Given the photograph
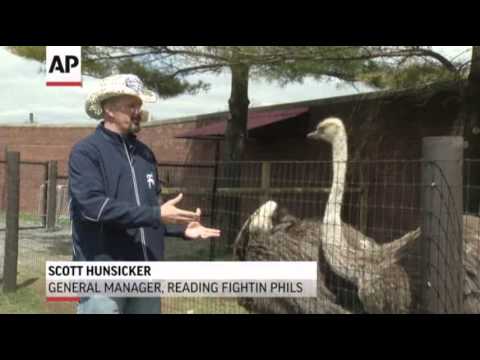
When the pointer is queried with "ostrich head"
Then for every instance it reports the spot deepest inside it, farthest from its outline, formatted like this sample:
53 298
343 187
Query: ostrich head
259 223
261 220
282 215
328 130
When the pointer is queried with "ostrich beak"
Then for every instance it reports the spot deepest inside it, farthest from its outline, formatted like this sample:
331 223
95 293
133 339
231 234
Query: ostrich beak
311 135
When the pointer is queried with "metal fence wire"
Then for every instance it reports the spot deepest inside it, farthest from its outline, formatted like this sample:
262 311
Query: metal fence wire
364 229
35 245
369 224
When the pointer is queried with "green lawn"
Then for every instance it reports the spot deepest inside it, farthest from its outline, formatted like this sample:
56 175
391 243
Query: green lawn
25 301
199 250
30 296
201 306
27 219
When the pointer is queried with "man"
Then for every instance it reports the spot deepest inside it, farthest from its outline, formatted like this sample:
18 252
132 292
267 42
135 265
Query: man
117 213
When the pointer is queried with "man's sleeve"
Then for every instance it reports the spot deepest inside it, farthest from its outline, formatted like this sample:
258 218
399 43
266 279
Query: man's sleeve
88 193
178 231
171 230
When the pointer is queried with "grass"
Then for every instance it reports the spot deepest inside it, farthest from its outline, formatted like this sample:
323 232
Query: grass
24 219
30 295
201 306
199 250
28 219
23 301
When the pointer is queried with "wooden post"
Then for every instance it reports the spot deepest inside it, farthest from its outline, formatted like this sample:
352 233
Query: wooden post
213 207
442 275
52 195
363 204
5 180
11 236
364 209
266 178
45 196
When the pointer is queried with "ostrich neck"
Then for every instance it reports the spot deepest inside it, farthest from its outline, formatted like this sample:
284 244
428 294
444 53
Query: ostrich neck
335 199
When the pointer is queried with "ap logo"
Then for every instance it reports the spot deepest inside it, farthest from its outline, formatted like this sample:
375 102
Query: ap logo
64 66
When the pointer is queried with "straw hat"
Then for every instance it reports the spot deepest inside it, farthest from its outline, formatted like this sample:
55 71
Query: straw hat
117 85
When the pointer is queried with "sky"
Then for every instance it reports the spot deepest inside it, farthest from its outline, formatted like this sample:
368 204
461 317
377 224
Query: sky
23 91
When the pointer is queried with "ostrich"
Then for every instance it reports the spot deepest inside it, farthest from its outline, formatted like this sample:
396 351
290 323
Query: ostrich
269 236
258 224
383 285
471 264
269 226
386 286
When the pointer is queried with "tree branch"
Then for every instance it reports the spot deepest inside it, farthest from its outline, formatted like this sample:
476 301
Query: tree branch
125 56
196 68
190 53
440 58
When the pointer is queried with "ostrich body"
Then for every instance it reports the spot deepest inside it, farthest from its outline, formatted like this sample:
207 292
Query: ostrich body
471 264
267 236
383 285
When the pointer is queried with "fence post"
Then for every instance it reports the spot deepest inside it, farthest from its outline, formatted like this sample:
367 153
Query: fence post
363 209
11 236
363 203
45 196
442 275
213 207
52 195
266 171
4 194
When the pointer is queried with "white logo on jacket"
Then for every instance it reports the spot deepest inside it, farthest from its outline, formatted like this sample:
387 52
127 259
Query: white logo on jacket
150 180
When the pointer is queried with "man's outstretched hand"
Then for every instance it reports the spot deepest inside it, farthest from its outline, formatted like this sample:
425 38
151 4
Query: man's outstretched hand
195 230
170 214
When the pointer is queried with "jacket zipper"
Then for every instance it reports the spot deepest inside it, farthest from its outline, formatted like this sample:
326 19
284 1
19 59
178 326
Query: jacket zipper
137 197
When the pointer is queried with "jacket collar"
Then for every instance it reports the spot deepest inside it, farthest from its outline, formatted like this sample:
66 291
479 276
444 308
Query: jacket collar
115 138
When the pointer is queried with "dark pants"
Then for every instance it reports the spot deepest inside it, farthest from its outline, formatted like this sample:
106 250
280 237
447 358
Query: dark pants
106 305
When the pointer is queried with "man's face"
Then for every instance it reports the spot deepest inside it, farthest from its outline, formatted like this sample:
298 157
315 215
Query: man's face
125 112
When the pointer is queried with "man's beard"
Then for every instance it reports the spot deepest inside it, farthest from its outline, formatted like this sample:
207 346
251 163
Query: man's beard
134 129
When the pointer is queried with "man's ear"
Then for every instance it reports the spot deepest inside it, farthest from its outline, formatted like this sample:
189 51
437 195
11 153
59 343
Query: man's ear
108 110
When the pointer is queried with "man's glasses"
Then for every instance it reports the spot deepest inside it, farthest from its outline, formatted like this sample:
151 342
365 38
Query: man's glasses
135 112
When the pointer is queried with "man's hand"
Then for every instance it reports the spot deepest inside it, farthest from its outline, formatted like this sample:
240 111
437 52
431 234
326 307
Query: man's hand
195 230
170 214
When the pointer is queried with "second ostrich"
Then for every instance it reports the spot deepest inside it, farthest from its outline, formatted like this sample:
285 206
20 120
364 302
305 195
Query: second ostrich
383 285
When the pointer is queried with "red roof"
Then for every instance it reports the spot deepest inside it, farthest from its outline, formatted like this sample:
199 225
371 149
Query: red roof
255 120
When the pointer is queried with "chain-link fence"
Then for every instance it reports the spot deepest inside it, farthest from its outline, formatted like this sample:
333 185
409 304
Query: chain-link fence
33 176
365 231
35 245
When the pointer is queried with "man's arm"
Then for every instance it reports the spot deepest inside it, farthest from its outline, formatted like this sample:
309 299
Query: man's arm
171 230
88 193
193 230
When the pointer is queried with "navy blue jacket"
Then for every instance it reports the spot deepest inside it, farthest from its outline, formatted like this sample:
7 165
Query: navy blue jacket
115 200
